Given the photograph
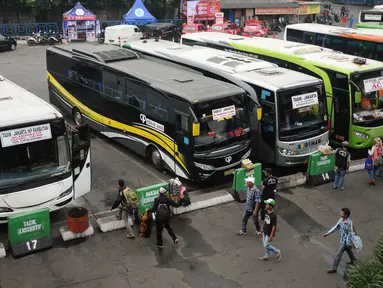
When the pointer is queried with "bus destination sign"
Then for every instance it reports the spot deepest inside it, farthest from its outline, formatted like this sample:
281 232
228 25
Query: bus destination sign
25 135
304 100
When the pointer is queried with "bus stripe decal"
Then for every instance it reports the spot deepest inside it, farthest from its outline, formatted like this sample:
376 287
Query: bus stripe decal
117 125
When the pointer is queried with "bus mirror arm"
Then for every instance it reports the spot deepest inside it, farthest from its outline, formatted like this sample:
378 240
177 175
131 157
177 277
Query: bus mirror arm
353 84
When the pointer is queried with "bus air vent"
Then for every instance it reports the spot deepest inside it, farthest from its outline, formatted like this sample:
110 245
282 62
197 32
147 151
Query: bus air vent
175 48
240 59
270 71
216 60
6 98
105 54
308 50
359 60
237 38
116 55
338 57
232 64
181 79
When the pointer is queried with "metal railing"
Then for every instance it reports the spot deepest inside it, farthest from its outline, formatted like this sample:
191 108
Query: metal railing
26 29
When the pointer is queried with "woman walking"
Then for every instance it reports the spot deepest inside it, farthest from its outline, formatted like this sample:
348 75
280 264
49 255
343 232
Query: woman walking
375 153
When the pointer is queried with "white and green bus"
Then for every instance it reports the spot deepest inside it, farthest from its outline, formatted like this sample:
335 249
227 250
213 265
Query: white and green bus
371 18
351 83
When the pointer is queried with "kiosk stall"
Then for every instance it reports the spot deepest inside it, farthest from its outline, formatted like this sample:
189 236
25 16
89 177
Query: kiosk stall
80 24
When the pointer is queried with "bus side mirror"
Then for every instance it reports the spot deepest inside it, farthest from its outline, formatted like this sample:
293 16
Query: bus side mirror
196 129
259 113
358 97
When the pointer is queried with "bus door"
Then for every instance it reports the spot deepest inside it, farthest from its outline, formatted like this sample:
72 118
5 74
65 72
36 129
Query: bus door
79 138
184 141
267 144
341 110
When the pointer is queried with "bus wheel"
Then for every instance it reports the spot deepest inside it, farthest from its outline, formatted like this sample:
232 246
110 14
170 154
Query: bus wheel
77 116
156 159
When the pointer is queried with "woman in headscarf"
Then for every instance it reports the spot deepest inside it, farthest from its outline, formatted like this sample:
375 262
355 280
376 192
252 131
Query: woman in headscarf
376 153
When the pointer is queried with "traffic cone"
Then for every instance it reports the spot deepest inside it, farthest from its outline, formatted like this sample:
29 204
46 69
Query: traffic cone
274 35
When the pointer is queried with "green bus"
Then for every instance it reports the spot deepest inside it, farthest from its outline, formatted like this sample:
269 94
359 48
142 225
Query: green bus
352 83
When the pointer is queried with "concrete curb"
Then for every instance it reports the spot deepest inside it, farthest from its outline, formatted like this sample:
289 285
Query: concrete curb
111 223
69 235
298 179
214 201
2 251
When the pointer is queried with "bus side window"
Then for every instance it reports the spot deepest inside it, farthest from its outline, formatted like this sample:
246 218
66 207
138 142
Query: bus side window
308 37
111 85
182 129
157 105
135 94
294 35
334 42
379 52
319 39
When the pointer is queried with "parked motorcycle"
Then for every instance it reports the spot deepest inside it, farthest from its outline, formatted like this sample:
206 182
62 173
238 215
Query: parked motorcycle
34 39
101 37
275 27
335 16
55 38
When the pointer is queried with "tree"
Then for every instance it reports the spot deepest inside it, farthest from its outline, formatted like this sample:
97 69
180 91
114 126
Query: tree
368 274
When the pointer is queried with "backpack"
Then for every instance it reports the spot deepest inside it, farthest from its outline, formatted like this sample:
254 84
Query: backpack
146 225
163 212
131 197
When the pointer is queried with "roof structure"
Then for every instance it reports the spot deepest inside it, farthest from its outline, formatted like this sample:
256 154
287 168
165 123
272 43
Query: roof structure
138 15
78 12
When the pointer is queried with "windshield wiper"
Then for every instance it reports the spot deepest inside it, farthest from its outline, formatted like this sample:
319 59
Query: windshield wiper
215 147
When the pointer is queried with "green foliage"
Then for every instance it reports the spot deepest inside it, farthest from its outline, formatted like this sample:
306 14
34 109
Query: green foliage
368 274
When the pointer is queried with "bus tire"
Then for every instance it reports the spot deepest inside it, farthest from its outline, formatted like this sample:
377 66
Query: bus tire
77 116
156 159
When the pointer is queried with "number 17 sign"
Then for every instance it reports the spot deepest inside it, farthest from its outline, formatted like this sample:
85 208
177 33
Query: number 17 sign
29 232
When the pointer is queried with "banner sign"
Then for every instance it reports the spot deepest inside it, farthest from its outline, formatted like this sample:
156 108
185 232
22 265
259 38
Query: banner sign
147 195
223 112
203 9
373 84
304 100
321 168
29 232
276 11
219 17
25 135
309 9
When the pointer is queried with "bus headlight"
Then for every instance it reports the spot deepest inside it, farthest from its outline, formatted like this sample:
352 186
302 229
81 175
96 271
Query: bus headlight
65 193
246 155
5 209
286 152
204 166
360 135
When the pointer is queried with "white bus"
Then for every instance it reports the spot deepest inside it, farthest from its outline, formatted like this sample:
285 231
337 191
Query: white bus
287 134
43 162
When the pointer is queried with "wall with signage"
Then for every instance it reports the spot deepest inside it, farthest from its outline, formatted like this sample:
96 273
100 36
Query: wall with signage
302 9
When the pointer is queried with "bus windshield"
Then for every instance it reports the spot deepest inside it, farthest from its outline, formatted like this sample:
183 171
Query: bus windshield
301 111
368 101
222 122
33 160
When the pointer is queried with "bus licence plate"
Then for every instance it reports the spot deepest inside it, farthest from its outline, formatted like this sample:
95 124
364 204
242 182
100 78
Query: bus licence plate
228 172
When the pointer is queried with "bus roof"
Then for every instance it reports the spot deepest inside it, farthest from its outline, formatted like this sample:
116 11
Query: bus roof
18 106
360 34
187 85
318 56
248 69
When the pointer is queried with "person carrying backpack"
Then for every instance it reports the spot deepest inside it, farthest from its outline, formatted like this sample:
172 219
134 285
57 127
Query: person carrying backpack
127 201
161 208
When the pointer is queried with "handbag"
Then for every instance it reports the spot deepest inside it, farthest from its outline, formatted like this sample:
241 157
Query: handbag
368 164
357 242
379 161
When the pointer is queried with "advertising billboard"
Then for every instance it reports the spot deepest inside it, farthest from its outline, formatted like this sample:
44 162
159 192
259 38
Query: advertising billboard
203 9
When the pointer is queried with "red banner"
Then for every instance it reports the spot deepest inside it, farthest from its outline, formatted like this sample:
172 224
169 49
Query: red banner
203 9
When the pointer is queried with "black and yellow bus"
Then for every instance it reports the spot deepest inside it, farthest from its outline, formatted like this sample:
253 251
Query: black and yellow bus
182 121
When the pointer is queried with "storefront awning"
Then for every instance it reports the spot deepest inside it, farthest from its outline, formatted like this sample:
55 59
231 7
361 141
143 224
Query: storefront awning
245 4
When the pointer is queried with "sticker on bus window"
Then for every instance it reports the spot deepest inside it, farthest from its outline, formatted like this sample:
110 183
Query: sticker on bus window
265 94
373 84
373 17
304 100
25 135
223 112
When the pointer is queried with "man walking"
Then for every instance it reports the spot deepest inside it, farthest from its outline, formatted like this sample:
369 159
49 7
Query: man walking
342 164
125 211
351 21
346 232
269 229
253 199
161 208
269 187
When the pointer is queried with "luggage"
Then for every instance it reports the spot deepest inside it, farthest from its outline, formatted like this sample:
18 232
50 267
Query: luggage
131 197
146 225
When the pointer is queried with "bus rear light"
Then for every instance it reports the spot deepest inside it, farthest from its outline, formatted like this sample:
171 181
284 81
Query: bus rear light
328 125
5 209
211 134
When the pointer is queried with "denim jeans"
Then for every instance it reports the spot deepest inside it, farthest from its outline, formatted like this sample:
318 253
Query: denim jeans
343 247
372 173
124 213
339 178
268 246
245 219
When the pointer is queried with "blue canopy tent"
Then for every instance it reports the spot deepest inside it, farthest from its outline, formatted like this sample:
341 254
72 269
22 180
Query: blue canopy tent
80 23
138 15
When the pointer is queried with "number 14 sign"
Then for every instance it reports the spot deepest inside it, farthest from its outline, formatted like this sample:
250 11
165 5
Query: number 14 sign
29 232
